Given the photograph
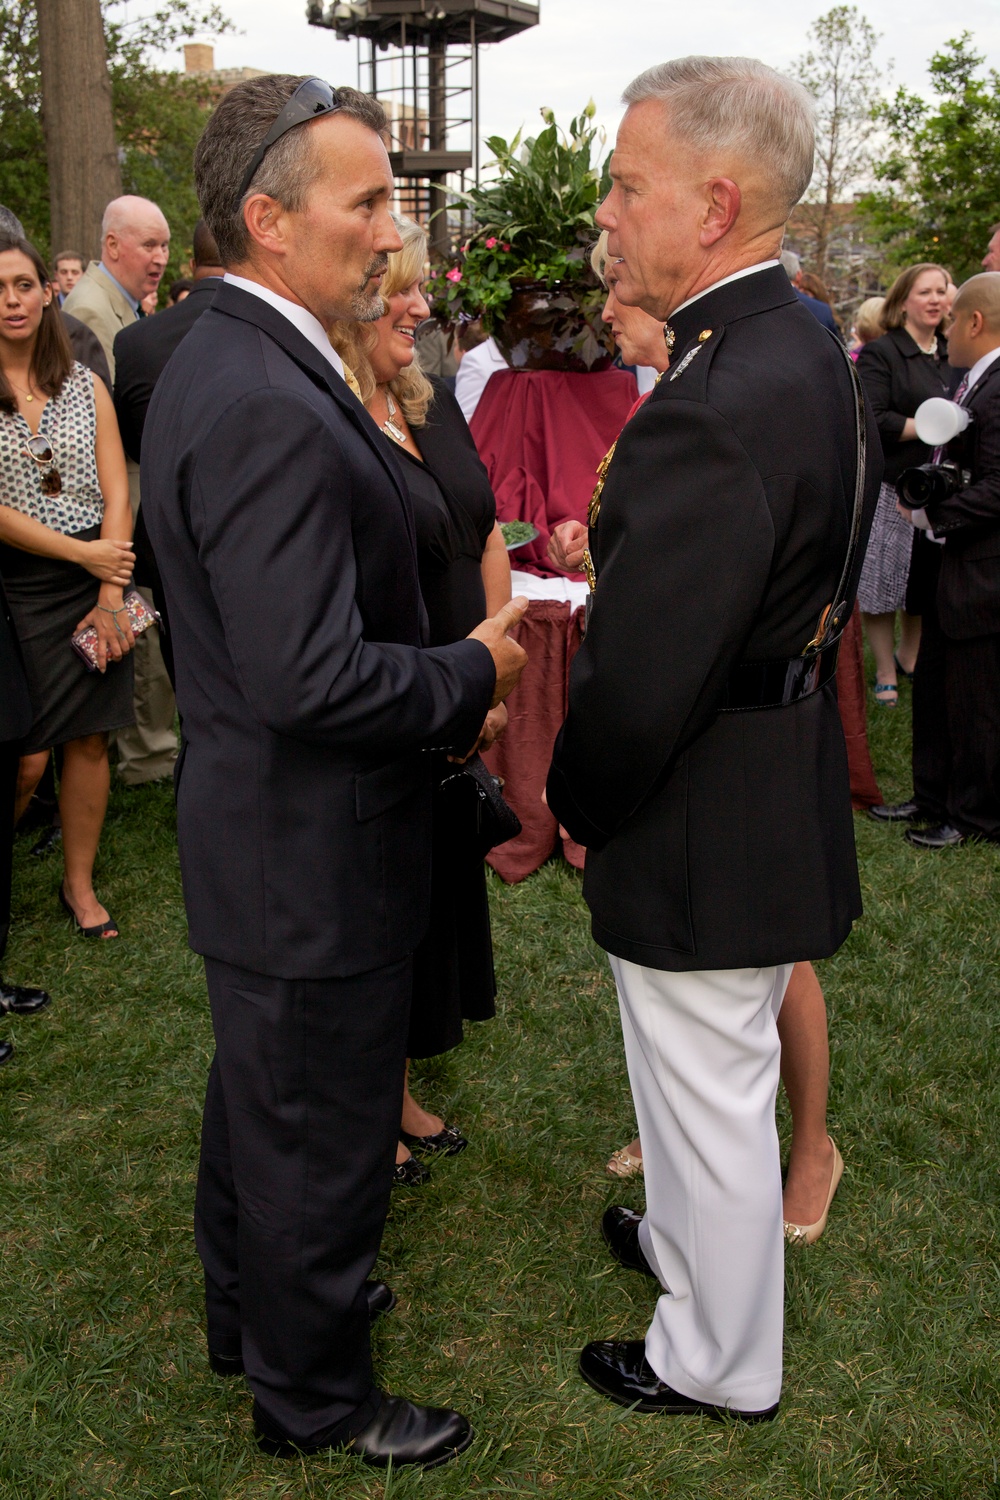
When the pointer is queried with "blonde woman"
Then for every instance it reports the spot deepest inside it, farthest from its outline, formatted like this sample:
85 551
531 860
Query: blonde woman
867 324
464 576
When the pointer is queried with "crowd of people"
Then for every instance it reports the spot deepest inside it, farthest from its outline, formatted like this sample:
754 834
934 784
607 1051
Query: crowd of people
274 444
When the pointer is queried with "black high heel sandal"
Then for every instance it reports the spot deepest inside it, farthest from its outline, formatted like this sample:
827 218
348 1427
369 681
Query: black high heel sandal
108 929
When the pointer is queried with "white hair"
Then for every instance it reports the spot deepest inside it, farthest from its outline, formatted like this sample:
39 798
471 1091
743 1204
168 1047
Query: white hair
740 105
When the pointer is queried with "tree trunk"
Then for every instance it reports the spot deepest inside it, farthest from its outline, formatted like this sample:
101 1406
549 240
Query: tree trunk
84 171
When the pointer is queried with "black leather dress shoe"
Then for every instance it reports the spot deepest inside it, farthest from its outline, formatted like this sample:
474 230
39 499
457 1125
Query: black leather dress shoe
938 836
6 1051
447 1142
401 1432
381 1299
22 1000
620 1371
620 1227
895 812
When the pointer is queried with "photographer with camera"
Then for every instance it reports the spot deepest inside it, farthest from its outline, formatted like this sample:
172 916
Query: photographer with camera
957 497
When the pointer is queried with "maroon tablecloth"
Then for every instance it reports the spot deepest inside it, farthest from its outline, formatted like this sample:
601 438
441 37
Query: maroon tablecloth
551 633
541 435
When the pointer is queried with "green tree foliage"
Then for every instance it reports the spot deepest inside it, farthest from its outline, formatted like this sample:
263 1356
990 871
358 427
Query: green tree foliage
940 178
841 72
158 116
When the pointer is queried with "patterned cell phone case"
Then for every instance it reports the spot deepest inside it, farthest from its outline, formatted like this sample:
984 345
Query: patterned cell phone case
140 617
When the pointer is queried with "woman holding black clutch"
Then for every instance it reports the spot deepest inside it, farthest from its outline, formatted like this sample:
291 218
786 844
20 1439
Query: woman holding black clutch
464 577
65 557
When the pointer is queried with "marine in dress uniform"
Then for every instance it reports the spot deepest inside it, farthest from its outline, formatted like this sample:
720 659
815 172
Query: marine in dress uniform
703 765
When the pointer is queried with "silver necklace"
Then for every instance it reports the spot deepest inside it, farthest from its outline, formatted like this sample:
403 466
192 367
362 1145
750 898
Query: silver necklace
389 426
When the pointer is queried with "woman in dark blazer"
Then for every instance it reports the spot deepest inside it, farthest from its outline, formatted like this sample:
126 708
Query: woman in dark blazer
464 574
899 371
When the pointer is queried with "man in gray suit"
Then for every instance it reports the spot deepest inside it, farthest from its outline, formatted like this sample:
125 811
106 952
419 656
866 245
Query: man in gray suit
135 244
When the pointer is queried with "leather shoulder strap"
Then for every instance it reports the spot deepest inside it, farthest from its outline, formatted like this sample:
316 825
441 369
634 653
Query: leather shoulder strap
833 620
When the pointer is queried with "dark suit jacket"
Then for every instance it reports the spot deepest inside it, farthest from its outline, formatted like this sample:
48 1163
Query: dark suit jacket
968 592
141 354
15 705
715 840
284 537
87 348
897 377
821 311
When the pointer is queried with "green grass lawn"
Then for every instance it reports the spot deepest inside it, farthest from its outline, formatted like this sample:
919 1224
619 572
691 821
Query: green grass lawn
892 1350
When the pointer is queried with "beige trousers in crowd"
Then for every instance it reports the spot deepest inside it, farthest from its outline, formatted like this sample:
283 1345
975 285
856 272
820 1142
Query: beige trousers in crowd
703 1057
148 748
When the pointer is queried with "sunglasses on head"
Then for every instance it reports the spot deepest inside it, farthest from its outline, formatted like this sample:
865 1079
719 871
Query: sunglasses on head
310 100
40 449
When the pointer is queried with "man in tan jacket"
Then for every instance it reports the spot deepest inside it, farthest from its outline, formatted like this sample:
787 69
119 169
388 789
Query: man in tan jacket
135 244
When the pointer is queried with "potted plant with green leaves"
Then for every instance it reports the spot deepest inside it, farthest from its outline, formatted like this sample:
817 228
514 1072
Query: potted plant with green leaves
525 271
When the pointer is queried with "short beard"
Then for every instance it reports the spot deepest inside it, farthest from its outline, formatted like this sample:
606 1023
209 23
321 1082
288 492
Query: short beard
367 306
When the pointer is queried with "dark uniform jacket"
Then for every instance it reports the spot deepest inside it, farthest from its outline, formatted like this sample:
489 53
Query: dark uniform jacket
719 840
284 537
968 592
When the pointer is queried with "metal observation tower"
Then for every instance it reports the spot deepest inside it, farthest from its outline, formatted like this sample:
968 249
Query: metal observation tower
420 58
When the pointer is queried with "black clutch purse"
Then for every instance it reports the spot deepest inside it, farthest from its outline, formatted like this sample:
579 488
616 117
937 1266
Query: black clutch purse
478 816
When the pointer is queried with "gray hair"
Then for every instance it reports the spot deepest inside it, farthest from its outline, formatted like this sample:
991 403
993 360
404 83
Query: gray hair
741 105
790 264
11 224
230 141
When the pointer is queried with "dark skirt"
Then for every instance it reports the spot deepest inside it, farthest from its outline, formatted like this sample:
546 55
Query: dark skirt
453 978
48 599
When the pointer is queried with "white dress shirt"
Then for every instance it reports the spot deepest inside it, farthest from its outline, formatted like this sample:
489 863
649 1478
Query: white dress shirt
309 326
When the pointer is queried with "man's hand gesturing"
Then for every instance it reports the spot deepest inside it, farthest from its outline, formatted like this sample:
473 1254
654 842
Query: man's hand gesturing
509 658
567 544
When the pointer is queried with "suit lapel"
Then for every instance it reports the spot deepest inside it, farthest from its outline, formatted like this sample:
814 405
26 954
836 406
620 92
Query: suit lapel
236 303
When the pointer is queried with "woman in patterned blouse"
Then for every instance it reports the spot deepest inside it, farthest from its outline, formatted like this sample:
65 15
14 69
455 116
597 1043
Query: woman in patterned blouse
65 558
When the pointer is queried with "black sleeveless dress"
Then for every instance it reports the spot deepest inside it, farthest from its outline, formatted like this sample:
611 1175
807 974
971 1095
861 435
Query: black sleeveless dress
454 513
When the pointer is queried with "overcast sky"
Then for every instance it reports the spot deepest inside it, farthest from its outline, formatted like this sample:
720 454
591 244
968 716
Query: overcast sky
591 48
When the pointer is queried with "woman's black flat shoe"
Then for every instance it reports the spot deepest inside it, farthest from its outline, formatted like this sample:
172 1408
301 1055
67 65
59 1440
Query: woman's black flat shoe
108 929
410 1173
447 1142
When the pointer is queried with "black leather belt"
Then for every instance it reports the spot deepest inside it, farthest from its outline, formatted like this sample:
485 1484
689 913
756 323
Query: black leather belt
774 684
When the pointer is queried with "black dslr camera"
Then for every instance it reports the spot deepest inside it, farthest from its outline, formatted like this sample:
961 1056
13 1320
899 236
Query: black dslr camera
928 484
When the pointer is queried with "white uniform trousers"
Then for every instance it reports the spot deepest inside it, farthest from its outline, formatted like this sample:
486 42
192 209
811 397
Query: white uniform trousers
703 1057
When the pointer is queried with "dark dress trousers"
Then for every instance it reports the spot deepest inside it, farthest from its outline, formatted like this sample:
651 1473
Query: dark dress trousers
454 511
719 840
966 621
15 721
284 538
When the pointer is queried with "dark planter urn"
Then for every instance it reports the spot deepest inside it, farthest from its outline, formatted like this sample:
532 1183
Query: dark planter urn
547 327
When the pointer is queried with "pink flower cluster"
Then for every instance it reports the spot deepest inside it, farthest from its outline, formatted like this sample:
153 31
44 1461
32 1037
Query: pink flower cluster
454 275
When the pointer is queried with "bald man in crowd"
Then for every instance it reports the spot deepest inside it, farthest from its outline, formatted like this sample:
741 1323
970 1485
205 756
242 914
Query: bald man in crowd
991 260
135 244
961 635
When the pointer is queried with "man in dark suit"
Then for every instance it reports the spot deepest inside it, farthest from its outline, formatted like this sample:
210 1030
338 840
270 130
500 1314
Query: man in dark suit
141 354
702 761
962 631
15 721
284 537
142 349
